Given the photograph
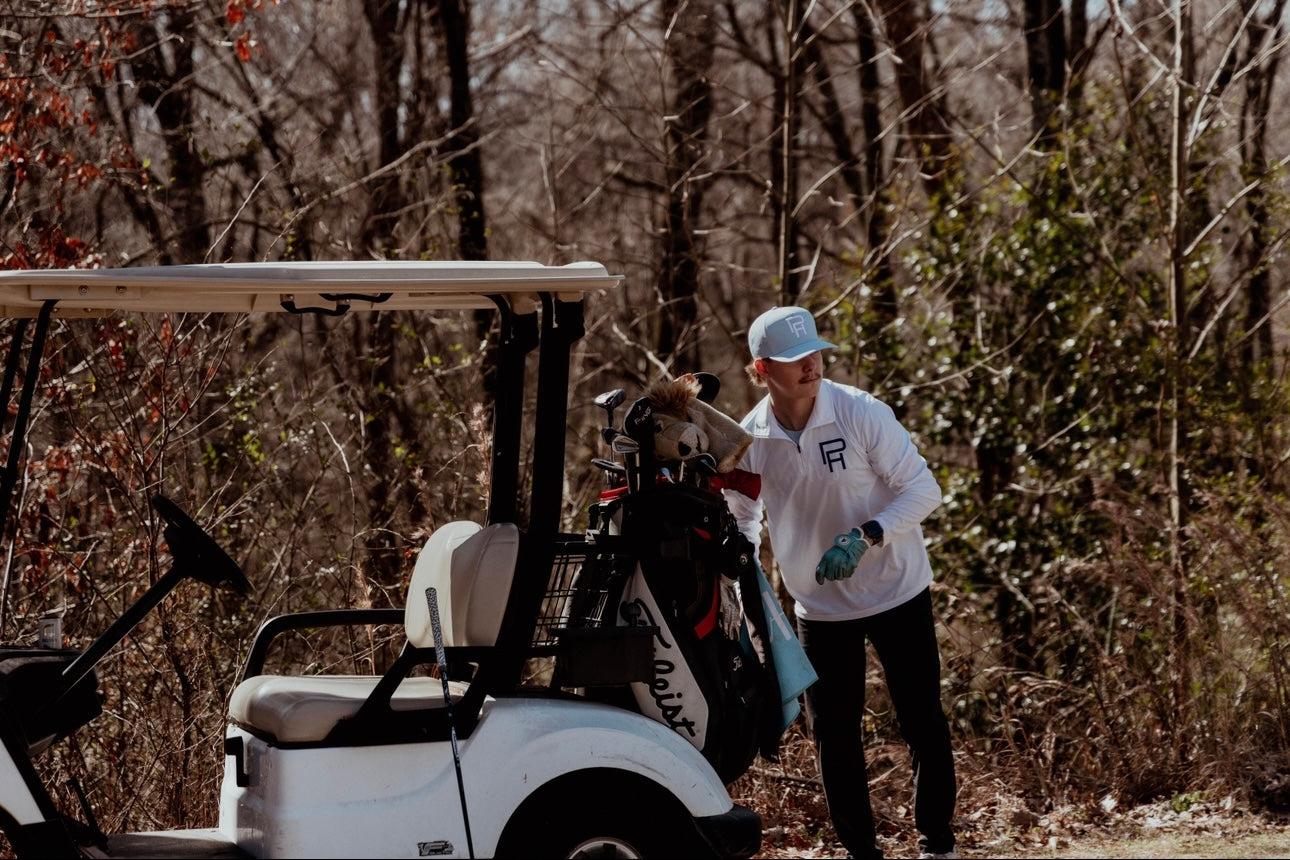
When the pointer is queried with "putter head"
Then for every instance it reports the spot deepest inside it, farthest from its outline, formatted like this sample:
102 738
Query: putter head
610 401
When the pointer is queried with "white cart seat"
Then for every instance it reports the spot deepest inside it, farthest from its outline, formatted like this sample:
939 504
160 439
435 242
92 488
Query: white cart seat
471 570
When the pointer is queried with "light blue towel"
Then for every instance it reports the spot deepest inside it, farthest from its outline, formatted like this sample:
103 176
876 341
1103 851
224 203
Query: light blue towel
793 669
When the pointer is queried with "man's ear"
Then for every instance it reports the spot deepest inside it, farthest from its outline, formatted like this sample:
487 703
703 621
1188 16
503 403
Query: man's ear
760 364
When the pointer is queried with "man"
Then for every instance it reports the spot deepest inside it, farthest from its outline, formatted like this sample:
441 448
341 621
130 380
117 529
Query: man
845 492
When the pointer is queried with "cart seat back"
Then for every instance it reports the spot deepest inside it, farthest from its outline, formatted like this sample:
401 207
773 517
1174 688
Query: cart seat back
471 570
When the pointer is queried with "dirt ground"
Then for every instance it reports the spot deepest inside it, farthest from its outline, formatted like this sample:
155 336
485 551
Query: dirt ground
992 821
1163 830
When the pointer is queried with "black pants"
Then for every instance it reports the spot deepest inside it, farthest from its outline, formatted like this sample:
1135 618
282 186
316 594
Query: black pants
905 640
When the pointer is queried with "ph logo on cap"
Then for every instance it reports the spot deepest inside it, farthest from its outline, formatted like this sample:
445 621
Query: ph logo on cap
784 334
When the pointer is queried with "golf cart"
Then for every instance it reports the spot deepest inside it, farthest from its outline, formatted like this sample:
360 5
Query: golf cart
418 761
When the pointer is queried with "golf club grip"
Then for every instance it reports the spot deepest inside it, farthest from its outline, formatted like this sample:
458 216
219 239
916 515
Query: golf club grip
432 600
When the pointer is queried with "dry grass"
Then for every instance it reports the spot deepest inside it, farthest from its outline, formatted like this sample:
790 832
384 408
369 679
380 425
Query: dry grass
995 821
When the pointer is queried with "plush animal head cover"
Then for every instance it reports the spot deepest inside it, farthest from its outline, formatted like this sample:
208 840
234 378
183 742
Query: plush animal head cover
686 426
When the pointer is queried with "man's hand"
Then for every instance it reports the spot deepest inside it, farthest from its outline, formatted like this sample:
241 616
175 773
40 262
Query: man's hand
839 561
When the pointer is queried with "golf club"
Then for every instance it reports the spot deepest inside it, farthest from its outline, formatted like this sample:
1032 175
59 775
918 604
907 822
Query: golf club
432 599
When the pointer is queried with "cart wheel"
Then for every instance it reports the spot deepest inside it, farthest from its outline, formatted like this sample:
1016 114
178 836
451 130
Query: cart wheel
600 813
606 847
588 832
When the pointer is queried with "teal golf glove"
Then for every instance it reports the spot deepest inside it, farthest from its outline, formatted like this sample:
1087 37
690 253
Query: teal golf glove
839 561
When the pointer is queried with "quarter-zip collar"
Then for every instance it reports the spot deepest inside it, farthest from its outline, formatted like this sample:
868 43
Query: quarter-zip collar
766 427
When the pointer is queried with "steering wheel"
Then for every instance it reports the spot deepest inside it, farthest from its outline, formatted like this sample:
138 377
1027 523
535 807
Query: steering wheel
196 550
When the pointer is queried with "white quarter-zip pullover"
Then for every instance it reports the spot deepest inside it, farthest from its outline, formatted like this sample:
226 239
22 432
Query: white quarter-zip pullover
854 462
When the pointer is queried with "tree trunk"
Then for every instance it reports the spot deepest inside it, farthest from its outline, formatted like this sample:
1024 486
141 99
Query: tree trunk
374 336
1258 345
164 68
464 157
927 134
1045 32
881 278
691 28
1178 423
465 161
386 198
786 170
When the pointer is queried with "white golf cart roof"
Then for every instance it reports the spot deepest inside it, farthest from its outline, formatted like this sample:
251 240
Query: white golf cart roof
321 286
540 307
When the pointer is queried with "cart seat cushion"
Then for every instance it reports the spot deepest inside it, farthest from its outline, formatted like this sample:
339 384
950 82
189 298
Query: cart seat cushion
471 569
305 708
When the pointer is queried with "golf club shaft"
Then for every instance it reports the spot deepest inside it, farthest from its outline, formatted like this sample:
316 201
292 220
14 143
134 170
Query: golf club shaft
432 599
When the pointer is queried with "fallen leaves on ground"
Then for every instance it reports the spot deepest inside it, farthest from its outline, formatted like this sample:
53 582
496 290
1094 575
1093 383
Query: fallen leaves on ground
994 822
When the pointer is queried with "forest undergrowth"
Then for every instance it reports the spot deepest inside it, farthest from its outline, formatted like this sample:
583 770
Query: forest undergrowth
994 819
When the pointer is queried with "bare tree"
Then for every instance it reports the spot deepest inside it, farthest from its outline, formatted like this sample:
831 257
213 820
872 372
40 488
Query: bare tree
690 26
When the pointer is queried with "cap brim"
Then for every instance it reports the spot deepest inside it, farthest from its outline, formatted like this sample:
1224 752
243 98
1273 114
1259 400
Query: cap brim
801 349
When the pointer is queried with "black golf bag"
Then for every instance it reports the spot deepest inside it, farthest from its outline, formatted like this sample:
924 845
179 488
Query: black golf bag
717 691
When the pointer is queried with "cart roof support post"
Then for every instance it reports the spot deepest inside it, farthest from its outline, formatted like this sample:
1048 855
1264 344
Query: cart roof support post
517 338
18 436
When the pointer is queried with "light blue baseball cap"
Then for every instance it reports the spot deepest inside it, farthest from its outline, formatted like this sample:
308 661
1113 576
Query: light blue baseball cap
784 334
